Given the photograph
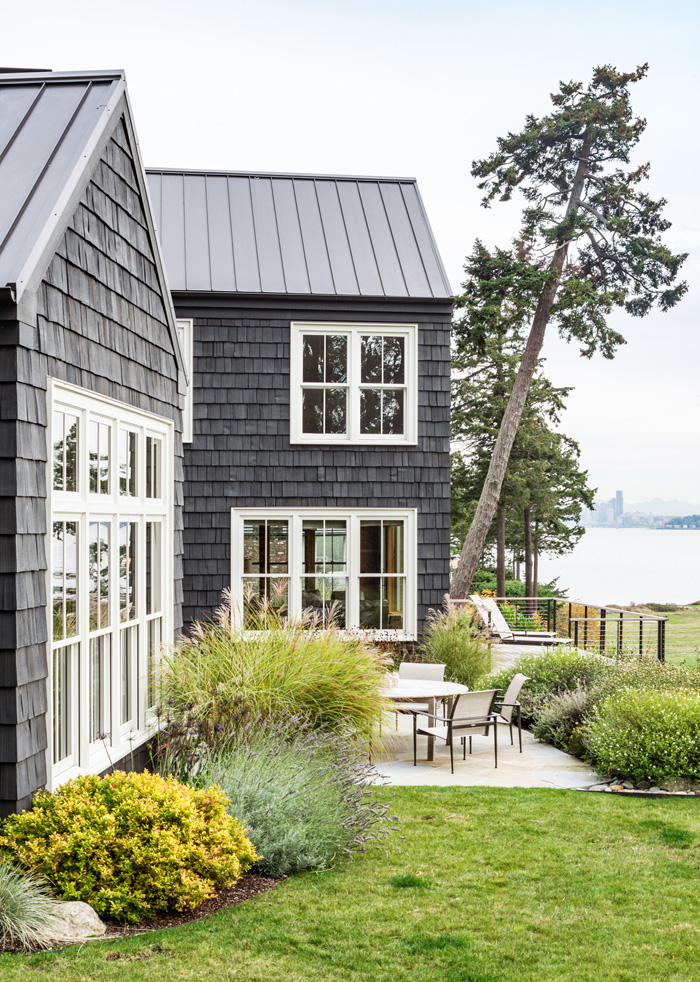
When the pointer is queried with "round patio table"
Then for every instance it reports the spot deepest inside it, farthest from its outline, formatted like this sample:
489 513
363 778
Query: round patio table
425 690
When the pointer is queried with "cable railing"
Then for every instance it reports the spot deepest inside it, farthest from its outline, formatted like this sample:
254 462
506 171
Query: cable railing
603 629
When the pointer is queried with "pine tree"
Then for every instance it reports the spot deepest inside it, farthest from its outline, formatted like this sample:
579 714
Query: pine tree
590 242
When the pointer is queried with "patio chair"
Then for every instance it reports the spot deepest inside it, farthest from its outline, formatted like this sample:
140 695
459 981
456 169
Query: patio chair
505 706
418 670
480 716
492 617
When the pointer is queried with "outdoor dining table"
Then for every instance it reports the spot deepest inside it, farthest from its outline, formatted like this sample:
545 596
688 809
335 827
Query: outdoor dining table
425 690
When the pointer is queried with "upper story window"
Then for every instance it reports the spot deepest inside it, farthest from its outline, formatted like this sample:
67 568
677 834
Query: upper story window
353 383
185 328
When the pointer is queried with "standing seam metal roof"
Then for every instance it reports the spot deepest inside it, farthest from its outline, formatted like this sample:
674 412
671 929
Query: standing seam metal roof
233 232
46 122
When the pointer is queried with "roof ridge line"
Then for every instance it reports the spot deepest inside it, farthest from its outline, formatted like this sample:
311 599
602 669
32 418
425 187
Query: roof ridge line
288 174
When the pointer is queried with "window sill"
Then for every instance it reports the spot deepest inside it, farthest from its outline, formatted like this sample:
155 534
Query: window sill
342 442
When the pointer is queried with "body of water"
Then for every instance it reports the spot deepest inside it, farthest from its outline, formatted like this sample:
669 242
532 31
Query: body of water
624 566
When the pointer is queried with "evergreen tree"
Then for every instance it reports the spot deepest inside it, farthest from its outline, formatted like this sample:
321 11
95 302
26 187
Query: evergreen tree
590 242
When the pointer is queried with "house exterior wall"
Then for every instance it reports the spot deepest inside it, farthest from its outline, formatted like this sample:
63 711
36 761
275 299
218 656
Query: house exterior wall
97 321
241 453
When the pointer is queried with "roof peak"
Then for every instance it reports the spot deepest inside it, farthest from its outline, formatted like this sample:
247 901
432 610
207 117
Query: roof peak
194 172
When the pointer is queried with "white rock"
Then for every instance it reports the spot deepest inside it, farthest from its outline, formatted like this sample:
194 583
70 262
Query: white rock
76 921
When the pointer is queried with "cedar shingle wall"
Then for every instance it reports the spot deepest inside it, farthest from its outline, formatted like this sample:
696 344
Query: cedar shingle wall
241 454
100 324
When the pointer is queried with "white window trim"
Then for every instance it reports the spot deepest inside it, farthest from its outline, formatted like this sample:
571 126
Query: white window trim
354 516
87 758
186 327
353 435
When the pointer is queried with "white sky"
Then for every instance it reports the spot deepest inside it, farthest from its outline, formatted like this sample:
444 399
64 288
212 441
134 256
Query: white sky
421 89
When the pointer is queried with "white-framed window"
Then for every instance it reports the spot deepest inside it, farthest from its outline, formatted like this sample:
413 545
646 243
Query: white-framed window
357 565
185 328
353 383
110 575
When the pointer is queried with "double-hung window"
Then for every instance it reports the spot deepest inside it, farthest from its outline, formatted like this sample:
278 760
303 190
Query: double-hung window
355 567
353 383
110 479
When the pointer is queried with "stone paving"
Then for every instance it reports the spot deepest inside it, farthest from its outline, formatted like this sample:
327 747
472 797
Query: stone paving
539 765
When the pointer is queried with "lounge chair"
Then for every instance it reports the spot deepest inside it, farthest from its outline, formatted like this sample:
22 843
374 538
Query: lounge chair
492 617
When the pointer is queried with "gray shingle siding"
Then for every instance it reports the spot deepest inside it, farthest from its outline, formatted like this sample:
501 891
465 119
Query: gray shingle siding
241 454
100 323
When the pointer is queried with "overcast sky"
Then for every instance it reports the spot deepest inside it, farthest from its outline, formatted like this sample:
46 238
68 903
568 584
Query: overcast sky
421 89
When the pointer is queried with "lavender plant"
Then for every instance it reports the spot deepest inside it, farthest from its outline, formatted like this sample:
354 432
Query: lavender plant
304 794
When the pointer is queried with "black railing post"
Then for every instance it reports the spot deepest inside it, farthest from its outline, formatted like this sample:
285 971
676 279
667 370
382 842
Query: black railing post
585 627
619 634
549 613
575 634
569 631
661 641
641 637
601 645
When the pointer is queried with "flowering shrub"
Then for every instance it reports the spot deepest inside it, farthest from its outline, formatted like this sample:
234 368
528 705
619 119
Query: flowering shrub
647 735
132 845
555 670
304 794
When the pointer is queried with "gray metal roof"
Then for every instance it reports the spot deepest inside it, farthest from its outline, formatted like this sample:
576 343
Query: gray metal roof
48 122
295 234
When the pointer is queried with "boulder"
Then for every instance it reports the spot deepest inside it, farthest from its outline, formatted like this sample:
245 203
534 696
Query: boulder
677 784
75 921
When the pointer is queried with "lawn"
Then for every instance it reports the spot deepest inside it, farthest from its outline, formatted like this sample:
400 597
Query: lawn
683 636
492 885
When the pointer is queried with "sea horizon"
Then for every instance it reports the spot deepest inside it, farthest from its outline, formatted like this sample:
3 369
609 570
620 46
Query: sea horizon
629 565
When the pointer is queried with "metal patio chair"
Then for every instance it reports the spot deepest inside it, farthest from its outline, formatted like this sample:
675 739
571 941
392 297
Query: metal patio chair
505 706
478 707
418 670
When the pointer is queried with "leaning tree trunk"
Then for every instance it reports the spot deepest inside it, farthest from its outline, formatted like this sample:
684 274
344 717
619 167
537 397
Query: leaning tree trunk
501 549
491 491
528 560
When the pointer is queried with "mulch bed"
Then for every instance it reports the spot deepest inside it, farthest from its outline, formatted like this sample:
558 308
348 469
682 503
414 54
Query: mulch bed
250 885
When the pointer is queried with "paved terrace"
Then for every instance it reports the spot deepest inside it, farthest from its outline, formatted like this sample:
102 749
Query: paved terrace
539 765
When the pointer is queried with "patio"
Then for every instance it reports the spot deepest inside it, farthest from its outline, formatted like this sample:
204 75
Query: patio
539 765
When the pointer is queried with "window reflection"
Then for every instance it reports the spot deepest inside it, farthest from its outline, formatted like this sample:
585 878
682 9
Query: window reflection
65 451
382 594
324 565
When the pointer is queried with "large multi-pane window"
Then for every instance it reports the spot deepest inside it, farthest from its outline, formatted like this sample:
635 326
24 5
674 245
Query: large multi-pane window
110 552
353 383
355 568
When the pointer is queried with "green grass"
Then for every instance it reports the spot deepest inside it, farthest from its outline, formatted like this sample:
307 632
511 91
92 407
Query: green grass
526 885
683 636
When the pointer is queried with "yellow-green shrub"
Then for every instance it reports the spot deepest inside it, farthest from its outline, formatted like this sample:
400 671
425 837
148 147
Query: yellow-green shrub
132 845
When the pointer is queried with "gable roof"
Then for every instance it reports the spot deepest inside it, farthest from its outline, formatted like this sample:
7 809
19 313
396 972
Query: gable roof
53 128
47 121
234 232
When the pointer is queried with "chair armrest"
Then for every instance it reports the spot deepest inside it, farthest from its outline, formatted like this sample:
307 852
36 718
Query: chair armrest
502 704
422 712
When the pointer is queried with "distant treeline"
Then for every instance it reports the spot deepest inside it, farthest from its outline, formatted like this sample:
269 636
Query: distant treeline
687 522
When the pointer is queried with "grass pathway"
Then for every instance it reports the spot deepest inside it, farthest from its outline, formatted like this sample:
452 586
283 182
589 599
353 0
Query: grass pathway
492 885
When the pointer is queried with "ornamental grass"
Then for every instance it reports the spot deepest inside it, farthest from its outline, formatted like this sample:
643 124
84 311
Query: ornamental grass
225 674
